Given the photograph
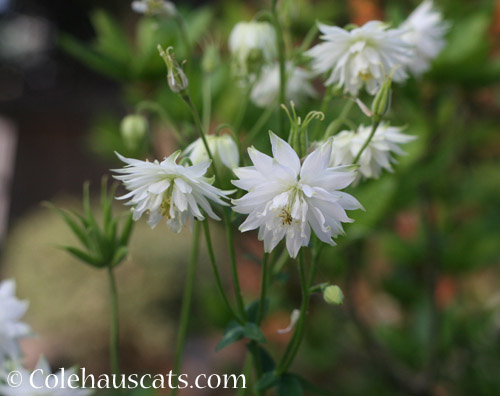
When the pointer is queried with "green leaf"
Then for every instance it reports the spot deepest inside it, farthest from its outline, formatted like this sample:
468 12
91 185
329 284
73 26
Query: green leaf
289 385
253 332
119 255
233 333
127 230
79 254
310 387
77 230
252 310
267 380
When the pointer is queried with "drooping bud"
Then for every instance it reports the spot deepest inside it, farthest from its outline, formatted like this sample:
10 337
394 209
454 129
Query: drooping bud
223 149
177 80
154 7
133 129
252 44
333 295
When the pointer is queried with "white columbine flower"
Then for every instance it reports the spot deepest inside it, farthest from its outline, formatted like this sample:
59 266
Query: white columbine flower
286 199
360 57
425 30
166 189
376 156
41 382
154 7
252 44
11 328
265 91
223 148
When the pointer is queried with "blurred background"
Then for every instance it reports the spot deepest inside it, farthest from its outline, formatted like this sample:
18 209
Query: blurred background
420 268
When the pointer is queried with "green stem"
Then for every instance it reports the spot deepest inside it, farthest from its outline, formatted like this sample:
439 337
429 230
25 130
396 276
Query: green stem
247 367
207 101
186 304
375 125
306 43
114 329
263 288
334 127
257 128
213 263
234 265
281 58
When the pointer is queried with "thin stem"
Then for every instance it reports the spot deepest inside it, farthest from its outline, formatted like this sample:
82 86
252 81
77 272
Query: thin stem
254 352
308 39
186 304
375 125
281 58
234 266
296 340
225 214
334 127
240 114
264 117
247 367
263 288
114 328
207 101
213 263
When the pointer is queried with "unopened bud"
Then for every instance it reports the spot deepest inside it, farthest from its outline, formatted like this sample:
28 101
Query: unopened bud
382 101
177 80
333 295
133 129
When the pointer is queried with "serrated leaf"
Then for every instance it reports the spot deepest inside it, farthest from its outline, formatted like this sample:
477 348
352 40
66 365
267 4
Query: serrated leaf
233 333
267 380
253 332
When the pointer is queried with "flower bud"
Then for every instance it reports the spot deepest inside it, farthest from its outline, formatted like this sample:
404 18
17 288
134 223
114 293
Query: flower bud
333 295
252 44
177 80
154 7
133 129
382 101
223 149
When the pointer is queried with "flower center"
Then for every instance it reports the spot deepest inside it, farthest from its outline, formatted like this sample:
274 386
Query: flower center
365 76
165 206
286 217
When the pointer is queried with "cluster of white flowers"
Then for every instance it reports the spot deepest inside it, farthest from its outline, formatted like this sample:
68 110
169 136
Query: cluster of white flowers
376 156
363 56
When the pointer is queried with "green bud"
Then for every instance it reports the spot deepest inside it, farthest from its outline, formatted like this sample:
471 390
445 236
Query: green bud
133 129
382 101
177 80
333 295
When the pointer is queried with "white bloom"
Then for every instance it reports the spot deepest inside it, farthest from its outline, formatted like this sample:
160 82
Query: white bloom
360 57
265 91
154 7
376 156
11 328
425 30
222 147
252 43
42 383
286 199
170 190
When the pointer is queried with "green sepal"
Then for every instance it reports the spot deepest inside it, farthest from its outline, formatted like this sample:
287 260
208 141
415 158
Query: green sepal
253 332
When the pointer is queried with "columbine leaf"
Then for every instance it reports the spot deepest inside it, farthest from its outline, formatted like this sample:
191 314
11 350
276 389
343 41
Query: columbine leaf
268 380
253 332
77 230
233 333
80 255
289 385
